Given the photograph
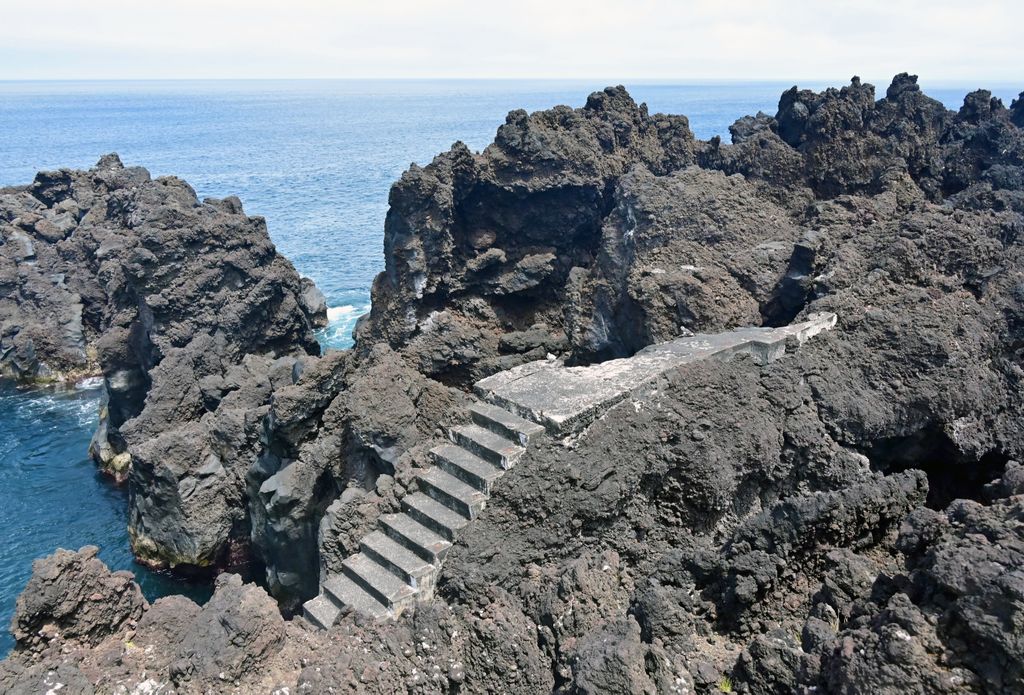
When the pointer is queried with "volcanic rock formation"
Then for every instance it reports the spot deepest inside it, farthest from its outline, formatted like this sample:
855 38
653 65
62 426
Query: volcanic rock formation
186 310
848 518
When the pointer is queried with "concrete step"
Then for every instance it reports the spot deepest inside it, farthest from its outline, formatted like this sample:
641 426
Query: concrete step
345 592
504 423
434 515
399 560
321 611
378 581
466 466
487 445
421 540
452 492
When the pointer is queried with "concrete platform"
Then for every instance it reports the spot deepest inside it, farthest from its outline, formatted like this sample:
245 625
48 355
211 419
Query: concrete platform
566 399
399 562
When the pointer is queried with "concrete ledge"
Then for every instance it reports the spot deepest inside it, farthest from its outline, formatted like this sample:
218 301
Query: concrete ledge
566 399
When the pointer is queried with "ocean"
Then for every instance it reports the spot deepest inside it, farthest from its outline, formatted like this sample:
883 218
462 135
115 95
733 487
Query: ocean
316 159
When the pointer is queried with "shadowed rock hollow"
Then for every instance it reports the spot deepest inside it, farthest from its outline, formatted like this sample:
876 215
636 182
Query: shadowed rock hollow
846 519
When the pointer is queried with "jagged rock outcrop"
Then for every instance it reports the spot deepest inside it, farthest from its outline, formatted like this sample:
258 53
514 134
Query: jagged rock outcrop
91 631
191 461
73 596
846 519
110 270
478 242
592 232
191 317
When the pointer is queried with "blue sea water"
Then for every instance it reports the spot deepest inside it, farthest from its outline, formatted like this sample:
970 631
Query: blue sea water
316 158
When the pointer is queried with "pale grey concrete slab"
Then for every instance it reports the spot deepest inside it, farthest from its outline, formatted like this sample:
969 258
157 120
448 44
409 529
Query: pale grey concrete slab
504 423
565 399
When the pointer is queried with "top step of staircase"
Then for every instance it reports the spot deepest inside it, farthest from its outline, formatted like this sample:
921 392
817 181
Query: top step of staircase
499 450
504 423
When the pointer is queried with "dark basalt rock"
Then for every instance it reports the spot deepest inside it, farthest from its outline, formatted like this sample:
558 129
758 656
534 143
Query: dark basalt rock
473 242
232 636
748 127
72 596
1017 111
191 317
87 630
846 519
593 193
142 266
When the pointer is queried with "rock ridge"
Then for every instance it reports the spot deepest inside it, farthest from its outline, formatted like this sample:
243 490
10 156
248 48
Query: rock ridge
844 519
174 302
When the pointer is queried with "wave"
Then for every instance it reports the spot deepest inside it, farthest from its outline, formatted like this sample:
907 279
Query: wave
341 320
43 407
340 313
89 384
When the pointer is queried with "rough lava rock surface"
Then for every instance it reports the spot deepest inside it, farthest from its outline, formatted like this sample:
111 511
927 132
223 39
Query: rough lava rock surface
848 519
189 314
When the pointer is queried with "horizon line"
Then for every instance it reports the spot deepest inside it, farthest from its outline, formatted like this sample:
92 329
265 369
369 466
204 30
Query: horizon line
607 79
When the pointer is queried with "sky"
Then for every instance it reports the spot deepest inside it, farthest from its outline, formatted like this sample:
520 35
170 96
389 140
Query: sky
941 40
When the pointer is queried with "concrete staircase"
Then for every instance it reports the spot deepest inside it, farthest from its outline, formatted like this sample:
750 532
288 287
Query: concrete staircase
399 563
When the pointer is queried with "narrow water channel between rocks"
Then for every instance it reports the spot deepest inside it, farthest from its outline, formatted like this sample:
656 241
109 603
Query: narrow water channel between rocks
52 497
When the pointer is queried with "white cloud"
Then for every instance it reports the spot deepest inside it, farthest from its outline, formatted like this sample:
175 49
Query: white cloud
655 39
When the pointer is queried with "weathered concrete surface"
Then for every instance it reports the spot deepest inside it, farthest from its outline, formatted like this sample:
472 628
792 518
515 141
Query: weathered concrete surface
398 563
564 399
